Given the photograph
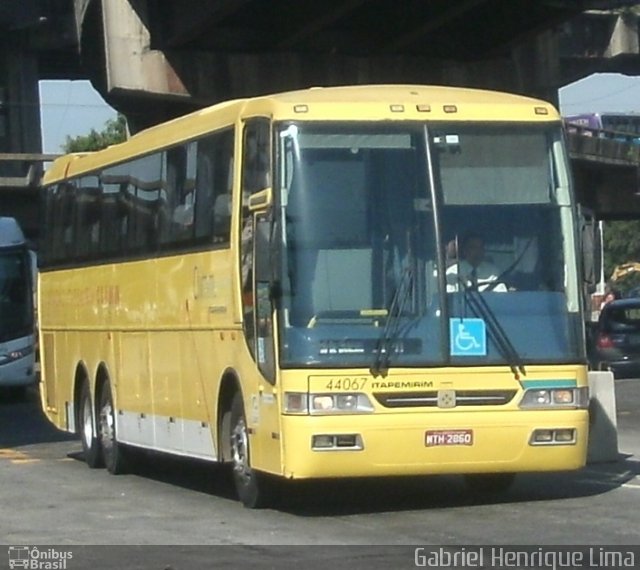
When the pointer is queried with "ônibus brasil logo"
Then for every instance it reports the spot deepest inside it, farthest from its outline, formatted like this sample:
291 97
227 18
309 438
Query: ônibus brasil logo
34 558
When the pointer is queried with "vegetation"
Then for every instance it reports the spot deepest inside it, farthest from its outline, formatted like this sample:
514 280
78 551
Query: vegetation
114 132
622 245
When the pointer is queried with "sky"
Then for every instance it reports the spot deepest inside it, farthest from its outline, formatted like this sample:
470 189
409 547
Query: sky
73 108
601 93
70 108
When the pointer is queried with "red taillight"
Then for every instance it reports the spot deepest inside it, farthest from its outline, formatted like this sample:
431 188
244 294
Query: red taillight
604 341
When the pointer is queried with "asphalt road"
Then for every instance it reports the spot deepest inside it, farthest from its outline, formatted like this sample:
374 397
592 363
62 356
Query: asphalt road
48 496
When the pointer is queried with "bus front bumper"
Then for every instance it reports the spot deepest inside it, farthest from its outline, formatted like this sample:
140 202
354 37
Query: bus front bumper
18 372
434 443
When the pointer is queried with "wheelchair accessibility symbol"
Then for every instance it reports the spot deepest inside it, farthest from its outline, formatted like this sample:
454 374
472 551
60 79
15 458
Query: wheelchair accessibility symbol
468 337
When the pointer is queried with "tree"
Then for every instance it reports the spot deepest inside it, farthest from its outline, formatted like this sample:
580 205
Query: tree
622 245
114 132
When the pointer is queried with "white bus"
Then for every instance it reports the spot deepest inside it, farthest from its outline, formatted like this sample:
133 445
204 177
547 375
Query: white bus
17 339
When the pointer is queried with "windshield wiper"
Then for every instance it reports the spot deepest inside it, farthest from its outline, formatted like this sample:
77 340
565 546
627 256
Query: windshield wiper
482 309
387 339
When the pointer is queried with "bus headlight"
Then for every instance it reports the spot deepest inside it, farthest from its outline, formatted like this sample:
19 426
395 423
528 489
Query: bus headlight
319 404
295 403
339 404
15 354
556 398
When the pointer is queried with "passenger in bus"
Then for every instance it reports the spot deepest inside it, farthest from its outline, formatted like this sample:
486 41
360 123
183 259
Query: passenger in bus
450 253
472 269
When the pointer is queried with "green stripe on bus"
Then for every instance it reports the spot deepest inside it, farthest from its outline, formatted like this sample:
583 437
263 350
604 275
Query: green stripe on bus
543 384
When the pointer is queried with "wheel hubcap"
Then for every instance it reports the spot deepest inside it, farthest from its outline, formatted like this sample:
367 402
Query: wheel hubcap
106 427
239 447
87 424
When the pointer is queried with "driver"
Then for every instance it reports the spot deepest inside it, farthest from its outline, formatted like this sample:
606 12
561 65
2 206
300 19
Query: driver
472 268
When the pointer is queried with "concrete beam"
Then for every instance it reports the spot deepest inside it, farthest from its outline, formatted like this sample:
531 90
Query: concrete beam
624 39
201 78
130 63
417 34
134 69
317 24
80 9
190 19
600 41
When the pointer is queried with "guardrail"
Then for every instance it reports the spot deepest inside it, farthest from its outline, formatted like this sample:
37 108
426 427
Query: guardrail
609 147
34 163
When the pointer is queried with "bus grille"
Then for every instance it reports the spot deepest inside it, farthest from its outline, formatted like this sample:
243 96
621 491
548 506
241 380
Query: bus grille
430 399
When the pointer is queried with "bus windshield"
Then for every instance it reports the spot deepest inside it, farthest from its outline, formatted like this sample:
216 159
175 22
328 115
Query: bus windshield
373 220
15 295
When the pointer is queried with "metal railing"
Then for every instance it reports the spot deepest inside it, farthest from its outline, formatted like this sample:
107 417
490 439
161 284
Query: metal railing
611 147
34 168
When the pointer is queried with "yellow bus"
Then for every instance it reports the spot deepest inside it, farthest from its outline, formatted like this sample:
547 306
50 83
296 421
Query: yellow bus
268 283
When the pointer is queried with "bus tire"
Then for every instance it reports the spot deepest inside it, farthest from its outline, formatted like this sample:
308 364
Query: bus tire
251 486
88 436
113 452
489 483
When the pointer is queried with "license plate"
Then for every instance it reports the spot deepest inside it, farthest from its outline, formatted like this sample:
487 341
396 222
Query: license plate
436 437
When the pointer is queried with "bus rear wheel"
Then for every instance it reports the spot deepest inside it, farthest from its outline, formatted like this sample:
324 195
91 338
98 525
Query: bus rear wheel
489 483
251 487
86 428
113 452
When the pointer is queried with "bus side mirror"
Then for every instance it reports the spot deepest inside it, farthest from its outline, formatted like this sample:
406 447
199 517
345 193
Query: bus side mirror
260 201
591 251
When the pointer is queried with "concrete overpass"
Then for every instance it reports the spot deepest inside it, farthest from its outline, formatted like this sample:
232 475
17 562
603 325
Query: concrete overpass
155 59
606 170
189 53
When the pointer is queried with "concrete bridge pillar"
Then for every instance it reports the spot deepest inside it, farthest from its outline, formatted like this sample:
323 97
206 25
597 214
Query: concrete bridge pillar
19 134
624 38
19 102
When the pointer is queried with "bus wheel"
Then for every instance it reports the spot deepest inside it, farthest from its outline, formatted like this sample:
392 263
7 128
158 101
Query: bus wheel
489 483
250 485
88 437
113 452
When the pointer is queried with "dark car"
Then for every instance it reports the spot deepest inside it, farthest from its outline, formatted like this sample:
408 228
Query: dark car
615 343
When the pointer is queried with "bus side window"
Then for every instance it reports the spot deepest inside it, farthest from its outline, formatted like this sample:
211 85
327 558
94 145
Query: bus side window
88 216
47 244
214 181
111 212
255 177
255 171
147 183
64 208
184 212
178 215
